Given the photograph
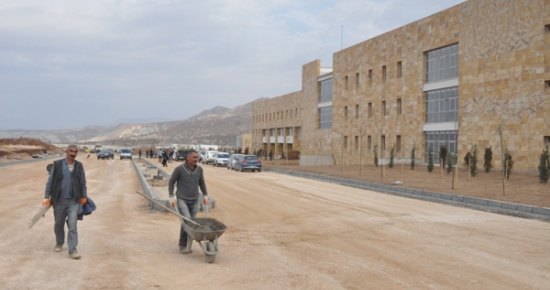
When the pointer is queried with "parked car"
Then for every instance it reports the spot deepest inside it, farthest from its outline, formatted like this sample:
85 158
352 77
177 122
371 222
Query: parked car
248 162
201 155
182 153
209 157
232 160
221 159
126 153
105 154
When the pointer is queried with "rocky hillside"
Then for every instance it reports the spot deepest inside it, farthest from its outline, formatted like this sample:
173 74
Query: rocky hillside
218 125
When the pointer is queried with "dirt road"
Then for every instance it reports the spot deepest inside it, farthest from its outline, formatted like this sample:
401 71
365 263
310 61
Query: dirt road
284 233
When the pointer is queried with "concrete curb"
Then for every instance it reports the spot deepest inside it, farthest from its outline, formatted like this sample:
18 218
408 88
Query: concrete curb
6 164
148 190
513 209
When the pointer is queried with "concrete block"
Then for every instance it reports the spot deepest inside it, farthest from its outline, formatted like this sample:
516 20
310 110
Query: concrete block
446 196
524 208
493 203
541 210
409 191
468 199
481 201
158 177
507 205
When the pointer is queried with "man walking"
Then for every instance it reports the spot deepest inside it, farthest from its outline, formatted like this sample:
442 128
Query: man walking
65 190
189 177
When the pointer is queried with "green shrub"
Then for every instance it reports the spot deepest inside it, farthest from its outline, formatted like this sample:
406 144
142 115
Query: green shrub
430 161
270 155
375 150
473 165
392 155
442 155
487 158
509 164
282 154
544 165
413 151
449 162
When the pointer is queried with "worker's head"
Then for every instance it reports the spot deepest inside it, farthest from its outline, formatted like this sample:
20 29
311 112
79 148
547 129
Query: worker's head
72 151
192 158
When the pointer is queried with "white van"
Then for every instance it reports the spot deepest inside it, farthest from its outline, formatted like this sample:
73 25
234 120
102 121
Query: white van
209 157
125 153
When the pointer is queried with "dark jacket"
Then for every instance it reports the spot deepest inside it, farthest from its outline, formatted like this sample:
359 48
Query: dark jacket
78 181
86 209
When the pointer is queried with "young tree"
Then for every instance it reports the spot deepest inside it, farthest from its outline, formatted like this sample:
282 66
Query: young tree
392 155
449 162
375 150
487 158
413 151
544 165
246 151
430 161
442 155
473 162
508 164
270 155
282 154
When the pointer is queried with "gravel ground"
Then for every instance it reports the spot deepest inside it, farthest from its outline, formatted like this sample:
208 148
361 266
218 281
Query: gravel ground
283 232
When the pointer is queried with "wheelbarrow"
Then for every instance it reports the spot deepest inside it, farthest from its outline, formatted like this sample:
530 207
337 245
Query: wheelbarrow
205 231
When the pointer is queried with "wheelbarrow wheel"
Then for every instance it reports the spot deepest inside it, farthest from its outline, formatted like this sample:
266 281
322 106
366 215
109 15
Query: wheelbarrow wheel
210 248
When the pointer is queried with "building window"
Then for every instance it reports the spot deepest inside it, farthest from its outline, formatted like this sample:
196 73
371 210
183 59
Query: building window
281 132
399 69
398 143
346 112
357 80
383 141
325 92
291 131
369 142
370 76
442 105
384 73
442 63
399 106
356 111
384 108
325 118
346 142
546 140
547 85
297 108
346 82
290 113
370 110
547 28
356 143
437 139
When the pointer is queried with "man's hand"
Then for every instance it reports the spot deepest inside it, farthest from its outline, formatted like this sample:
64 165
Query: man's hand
83 201
173 200
46 202
205 200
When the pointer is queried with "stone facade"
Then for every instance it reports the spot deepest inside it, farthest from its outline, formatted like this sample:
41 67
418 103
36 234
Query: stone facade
503 64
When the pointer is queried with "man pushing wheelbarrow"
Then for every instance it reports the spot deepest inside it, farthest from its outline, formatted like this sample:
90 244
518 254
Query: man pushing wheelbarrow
188 178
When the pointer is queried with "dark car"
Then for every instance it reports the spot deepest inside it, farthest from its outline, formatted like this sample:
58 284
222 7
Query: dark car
248 162
182 154
105 154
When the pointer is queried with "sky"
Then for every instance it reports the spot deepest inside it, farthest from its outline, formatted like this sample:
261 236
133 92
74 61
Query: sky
69 64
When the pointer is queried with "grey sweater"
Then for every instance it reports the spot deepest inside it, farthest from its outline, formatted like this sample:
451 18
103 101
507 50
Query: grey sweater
188 182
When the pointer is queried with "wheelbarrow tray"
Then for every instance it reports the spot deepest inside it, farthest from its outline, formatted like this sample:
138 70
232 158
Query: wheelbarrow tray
209 229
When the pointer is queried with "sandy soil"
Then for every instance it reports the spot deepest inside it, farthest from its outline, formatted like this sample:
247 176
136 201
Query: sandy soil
524 188
283 233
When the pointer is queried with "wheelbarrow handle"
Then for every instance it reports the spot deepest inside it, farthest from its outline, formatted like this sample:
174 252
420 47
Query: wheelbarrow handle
166 208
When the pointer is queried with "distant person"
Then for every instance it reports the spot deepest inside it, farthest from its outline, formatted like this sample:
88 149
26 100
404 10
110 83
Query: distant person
188 178
150 153
164 159
159 153
139 153
65 191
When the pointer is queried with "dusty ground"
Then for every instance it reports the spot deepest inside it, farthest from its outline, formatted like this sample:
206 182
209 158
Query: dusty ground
283 233
523 188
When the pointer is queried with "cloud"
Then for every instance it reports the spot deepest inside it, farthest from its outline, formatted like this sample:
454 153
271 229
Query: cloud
94 62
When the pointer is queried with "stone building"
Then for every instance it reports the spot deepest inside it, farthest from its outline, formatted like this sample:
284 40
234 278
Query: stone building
450 79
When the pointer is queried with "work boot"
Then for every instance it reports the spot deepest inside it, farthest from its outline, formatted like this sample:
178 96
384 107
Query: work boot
74 255
58 248
184 250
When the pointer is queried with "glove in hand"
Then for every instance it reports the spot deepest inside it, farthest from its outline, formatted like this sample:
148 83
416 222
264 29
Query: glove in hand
173 200
46 202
